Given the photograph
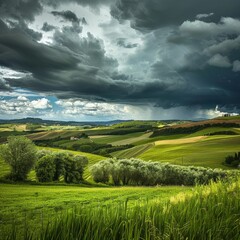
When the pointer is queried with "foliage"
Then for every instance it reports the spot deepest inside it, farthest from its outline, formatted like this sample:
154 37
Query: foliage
59 161
51 166
140 173
45 168
189 129
32 126
233 160
20 154
74 166
222 133
83 145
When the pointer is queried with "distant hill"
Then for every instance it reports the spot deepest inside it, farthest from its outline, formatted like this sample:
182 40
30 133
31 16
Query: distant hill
64 123
192 127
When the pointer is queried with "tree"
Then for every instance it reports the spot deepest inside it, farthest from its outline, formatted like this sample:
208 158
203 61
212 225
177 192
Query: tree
45 168
59 161
20 154
74 167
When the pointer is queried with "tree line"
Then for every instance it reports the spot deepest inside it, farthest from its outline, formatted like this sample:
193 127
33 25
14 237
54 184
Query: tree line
233 160
135 172
22 156
191 129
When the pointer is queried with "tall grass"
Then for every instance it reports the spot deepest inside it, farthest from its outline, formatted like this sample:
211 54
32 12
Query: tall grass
209 212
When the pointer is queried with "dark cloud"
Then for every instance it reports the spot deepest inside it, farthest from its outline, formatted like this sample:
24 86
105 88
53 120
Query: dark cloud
21 53
89 48
21 26
153 14
4 86
194 63
67 15
84 21
47 27
122 42
92 3
119 76
20 9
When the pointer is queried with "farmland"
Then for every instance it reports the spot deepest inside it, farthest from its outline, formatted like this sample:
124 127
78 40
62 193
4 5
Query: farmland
35 203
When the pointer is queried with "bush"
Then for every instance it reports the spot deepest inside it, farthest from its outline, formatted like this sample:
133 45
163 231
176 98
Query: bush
233 160
140 173
45 169
52 166
20 154
59 161
74 167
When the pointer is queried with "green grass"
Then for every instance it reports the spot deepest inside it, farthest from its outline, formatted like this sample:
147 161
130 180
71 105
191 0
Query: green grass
4 168
37 204
209 212
210 152
213 130
115 138
132 152
132 140
154 139
229 118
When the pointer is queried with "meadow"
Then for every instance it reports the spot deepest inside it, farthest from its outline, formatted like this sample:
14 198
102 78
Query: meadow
208 152
161 212
205 212
38 204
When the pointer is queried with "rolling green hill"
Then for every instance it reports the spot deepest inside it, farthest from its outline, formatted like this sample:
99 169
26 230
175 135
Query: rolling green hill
208 152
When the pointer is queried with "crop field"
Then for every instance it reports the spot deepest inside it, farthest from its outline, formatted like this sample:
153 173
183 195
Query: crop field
132 140
115 139
180 141
132 152
208 152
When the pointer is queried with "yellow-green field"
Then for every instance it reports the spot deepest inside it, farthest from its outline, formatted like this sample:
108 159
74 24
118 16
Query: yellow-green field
207 152
39 204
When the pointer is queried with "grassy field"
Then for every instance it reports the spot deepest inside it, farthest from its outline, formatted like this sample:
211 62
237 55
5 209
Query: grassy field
165 213
39 204
123 139
132 152
132 139
35 205
208 152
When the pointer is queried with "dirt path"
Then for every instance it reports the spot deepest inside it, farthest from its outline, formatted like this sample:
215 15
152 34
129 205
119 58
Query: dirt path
180 141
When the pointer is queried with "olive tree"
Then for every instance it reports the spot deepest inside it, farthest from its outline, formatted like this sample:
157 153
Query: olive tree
20 154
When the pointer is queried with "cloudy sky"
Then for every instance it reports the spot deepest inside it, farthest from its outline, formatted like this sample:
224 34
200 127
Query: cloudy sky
119 59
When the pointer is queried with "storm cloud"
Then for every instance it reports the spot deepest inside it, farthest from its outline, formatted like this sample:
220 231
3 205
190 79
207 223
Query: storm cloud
166 53
19 9
67 15
152 14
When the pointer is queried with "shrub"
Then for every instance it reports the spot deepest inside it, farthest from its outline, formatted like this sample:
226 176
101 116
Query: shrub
233 160
59 161
45 168
20 154
51 166
136 172
74 167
